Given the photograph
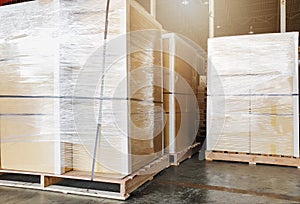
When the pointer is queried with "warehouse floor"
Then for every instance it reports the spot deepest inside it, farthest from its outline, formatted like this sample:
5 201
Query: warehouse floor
193 181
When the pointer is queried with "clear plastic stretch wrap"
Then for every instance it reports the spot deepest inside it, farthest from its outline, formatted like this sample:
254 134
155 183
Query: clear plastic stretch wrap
184 64
62 86
29 68
253 96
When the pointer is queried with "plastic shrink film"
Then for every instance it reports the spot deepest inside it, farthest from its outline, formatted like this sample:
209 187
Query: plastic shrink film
28 85
184 63
59 80
253 97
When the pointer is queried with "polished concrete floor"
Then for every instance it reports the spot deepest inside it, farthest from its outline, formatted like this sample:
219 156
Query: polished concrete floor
193 181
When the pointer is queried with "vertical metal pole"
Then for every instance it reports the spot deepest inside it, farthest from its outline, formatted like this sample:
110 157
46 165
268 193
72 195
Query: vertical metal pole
282 16
153 8
162 96
99 122
106 19
211 18
172 111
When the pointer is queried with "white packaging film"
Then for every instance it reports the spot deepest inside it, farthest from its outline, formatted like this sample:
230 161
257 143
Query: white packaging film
185 63
61 84
253 96
57 72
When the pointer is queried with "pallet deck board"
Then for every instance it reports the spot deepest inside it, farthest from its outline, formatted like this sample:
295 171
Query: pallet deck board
116 186
281 160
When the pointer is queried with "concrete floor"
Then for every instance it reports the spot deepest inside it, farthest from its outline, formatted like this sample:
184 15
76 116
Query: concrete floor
192 182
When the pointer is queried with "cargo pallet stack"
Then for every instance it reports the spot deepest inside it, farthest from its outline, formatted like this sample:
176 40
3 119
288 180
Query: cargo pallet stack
54 57
253 99
78 115
185 63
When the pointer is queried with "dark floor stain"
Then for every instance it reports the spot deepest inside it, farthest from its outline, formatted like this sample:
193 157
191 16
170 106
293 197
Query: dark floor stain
229 190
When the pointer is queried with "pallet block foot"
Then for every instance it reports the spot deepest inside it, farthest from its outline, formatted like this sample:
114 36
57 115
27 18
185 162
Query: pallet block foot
252 163
177 158
48 181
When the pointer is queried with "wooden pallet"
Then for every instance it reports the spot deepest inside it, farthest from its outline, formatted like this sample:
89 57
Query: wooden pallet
177 158
76 182
253 159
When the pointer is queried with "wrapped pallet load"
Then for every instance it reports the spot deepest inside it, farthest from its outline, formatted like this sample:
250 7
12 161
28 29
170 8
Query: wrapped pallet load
184 63
253 96
29 73
70 100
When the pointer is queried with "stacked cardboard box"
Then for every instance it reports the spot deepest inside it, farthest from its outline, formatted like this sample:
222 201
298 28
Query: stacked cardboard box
184 64
61 85
253 96
28 77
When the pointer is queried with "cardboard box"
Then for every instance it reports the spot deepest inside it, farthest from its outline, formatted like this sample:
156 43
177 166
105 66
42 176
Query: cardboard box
58 71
